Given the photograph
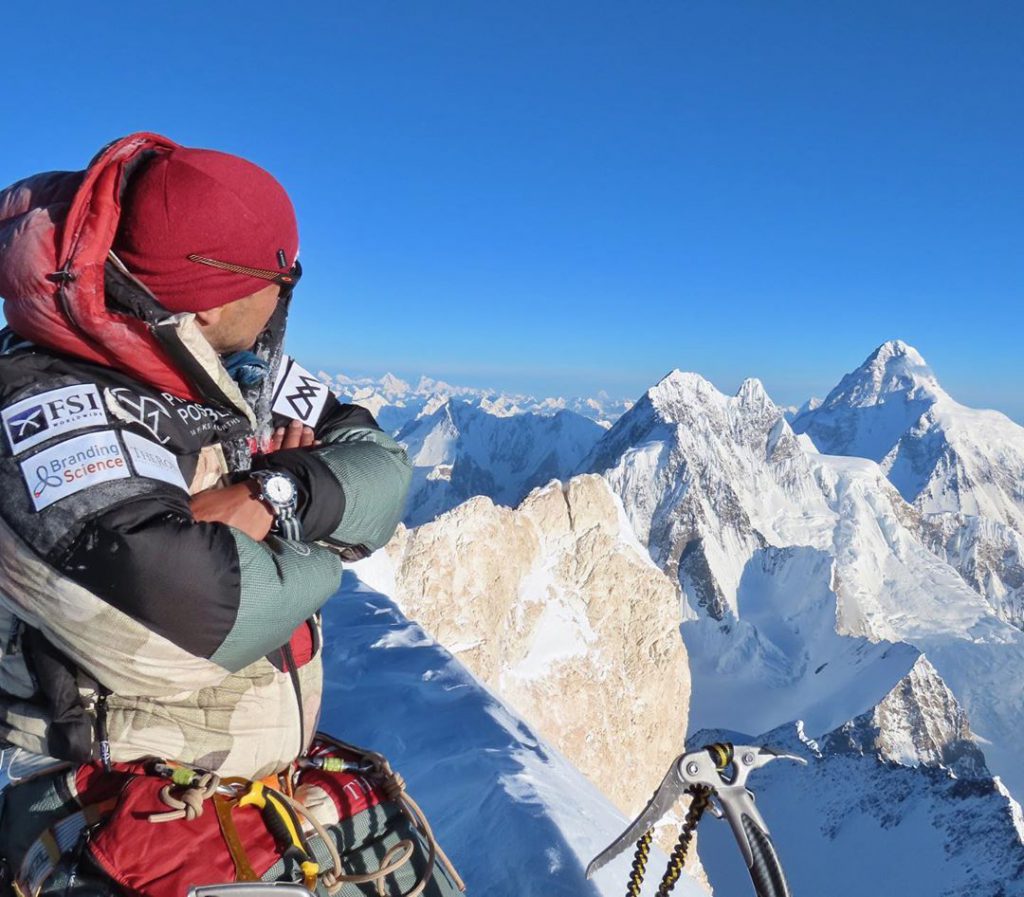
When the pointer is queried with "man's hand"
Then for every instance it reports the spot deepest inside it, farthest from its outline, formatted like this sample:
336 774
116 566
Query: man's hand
295 435
238 506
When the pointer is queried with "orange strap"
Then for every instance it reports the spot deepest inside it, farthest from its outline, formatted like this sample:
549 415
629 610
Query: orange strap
243 869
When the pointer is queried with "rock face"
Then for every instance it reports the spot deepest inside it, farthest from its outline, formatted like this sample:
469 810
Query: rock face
558 609
919 723
990 557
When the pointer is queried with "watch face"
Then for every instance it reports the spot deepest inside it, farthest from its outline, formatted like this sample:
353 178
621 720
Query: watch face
279 489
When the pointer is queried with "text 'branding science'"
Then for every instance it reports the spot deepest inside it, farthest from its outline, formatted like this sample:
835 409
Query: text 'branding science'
71 466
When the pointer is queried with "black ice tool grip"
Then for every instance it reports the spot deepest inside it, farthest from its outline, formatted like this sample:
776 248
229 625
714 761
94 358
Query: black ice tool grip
765 870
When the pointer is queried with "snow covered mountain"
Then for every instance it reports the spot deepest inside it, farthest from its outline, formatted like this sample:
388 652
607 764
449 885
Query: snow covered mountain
462 449
961 467
861 607
942 456
812 588
707 480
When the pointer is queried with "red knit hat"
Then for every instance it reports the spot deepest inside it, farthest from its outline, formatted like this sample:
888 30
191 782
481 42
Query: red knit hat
212 205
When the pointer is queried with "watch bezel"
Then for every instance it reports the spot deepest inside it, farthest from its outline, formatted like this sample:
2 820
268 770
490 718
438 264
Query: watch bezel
264 478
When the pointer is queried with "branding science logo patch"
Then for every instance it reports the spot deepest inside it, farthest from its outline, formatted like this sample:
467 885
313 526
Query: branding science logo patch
50 414
71 466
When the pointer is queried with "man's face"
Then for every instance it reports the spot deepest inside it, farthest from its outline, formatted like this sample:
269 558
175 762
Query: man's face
235 326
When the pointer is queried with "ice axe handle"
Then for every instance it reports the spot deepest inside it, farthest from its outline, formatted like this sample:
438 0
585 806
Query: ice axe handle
765 870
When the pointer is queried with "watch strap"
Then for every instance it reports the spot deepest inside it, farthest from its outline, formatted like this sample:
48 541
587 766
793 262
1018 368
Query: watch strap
286 522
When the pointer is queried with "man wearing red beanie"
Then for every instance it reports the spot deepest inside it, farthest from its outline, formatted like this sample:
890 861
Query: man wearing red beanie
176 494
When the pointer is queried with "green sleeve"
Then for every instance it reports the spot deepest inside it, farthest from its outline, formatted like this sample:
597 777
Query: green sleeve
374 473
282 584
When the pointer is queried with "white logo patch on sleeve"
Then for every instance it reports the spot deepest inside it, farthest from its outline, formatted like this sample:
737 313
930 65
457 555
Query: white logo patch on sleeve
298 394
53 413
72 466
153 461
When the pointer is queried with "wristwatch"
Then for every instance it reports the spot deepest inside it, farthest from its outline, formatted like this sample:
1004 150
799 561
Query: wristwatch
280 493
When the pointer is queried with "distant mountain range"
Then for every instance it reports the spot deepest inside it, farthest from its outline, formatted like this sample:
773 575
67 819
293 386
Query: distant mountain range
851 586
465 442
395 401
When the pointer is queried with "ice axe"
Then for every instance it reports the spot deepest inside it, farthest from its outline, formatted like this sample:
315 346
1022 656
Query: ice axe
716 778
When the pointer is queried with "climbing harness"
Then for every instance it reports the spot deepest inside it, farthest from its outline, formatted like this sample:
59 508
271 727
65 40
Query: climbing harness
338 816
715 778
283 815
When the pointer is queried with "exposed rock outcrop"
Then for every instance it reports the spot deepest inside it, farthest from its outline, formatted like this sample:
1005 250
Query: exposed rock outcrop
558 608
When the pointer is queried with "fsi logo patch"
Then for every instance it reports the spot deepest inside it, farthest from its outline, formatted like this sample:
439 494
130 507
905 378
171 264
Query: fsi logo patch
71 466
298 394
53 413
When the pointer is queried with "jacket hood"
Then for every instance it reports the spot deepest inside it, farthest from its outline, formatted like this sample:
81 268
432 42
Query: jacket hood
56 232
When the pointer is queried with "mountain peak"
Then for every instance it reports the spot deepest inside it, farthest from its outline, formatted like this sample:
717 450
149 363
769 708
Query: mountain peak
898 348
678 383
390 383
894 369
753 393
872 407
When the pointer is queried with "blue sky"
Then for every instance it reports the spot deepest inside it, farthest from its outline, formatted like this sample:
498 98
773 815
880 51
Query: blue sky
564 197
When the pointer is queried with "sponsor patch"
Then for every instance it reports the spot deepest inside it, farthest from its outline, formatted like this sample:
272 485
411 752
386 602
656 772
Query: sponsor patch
145 411
298 394
153 461
199 418
50 414
72 466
